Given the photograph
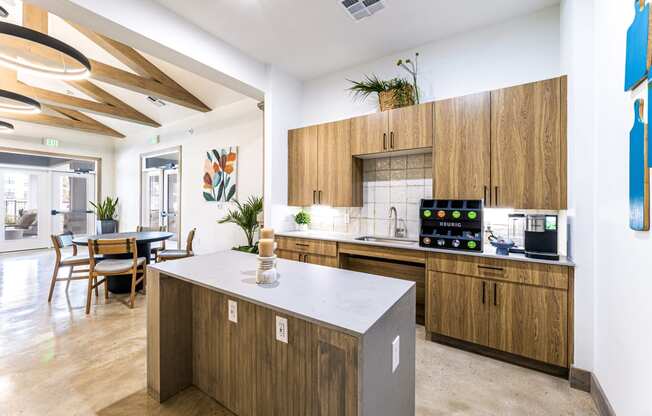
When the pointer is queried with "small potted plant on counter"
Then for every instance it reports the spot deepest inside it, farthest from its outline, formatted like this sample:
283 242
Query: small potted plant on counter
106 212
303 220
245 216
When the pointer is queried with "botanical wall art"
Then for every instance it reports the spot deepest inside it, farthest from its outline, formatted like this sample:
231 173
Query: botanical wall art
638 60
220 180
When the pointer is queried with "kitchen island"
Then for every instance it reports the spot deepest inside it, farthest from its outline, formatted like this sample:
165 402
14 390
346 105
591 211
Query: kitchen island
320 341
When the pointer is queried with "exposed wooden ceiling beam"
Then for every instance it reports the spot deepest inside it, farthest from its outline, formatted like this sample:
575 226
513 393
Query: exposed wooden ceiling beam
72 121
149 80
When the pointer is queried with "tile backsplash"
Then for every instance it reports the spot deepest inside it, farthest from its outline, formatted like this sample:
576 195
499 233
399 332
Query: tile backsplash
401 182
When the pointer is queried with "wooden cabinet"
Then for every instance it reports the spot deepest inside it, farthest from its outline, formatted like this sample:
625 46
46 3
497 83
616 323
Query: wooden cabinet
302 166
321 169
528 161
529 321
411 127
461 150
404 128
323 253
459 307
369 134
509 309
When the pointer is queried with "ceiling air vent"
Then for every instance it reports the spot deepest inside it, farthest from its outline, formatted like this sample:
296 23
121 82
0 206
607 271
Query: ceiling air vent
359 9
156 101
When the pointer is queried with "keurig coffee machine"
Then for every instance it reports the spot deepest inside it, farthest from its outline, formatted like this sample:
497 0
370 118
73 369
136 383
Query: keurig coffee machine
451 224
541 237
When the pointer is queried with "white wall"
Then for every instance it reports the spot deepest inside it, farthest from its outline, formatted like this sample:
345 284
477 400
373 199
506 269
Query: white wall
623 309
513 52
577 60
238 124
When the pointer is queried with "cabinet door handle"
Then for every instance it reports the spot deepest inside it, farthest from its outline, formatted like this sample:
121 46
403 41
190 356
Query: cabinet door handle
495 294
485 196
314 197
496 200
301 245
494 269
391 140
305 258
319 197
384 141
484 287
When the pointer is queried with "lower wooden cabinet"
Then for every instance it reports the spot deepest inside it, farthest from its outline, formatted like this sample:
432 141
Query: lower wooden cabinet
529 321
532 321
459 307
323 253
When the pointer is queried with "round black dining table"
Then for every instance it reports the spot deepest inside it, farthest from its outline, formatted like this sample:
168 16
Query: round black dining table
144 240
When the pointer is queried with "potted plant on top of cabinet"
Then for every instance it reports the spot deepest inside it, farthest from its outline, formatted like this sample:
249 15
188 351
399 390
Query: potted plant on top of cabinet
394 93
106 211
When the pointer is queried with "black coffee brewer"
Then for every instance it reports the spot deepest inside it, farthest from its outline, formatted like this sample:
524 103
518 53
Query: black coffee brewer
541 237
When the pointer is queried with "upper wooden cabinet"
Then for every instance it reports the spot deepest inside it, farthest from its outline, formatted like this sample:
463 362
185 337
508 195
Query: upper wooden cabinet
302 166
404 128
461 151
321 169
369 134
528 145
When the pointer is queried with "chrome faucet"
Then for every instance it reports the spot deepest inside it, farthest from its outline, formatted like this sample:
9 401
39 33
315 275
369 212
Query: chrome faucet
398 232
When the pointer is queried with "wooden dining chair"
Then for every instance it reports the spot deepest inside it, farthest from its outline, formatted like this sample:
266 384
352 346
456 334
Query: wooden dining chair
77 260
154 250
110 268
165 255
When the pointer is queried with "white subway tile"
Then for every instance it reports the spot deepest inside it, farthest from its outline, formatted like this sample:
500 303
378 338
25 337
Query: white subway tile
415 194
381 195
381 227
398 194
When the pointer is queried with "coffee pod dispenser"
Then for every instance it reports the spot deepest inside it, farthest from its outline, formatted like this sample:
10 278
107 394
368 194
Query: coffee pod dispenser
451 224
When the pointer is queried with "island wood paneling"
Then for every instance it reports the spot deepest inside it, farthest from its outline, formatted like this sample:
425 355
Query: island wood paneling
530 322
302 166
411 127
526 143
241 364
169 335
461 150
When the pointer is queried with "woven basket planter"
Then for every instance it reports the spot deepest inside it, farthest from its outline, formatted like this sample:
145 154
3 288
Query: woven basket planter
398 98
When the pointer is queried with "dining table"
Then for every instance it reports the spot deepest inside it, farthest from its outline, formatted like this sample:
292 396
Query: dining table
144 240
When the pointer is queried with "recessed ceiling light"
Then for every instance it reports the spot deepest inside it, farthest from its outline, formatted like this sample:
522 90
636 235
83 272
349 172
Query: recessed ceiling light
156 101
11 102
58 59
6 127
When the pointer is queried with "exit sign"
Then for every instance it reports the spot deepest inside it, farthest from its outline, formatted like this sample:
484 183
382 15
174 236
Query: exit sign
51 142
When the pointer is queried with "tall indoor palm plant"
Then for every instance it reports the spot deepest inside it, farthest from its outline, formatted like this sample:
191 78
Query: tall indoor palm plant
245 216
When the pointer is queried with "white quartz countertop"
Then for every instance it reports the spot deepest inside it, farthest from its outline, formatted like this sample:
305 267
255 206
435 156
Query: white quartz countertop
489 251
342 299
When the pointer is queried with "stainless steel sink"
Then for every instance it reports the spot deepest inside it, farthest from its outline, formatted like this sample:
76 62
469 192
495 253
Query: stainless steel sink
387 240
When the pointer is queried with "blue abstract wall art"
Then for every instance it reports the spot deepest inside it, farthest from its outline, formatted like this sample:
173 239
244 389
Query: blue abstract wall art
639 172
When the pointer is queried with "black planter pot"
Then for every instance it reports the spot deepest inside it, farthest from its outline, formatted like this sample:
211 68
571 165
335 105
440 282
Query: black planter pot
106 226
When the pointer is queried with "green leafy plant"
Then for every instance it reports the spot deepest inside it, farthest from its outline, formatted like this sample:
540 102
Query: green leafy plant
245 216
302 217
400 87
105 210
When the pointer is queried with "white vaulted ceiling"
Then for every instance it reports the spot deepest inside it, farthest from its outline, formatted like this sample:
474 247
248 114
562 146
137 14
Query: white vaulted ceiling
309 38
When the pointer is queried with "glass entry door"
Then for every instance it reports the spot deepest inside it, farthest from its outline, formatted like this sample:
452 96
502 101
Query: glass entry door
24 208
160 200
71 210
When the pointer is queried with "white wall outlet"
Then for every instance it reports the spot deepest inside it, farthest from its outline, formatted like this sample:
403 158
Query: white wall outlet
281 329
396 353
233 311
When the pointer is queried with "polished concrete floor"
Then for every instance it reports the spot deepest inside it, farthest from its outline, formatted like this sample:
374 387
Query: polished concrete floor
55 360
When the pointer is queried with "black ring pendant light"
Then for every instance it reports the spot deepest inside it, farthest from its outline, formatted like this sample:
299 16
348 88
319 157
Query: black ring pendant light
10 102
6 127
48 41
3 12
